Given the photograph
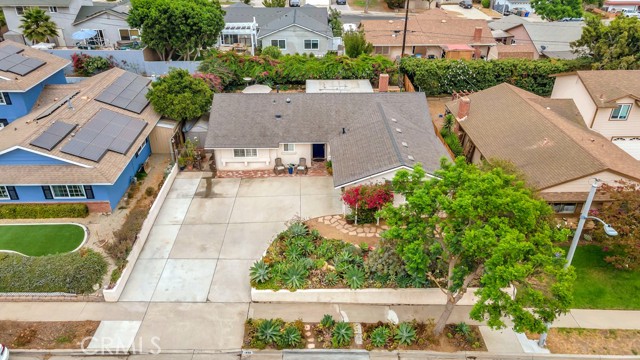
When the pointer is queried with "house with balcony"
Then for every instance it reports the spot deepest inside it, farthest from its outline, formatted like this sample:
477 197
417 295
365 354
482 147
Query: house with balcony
81 143
609 102
24 72
433 34
292 29
546 139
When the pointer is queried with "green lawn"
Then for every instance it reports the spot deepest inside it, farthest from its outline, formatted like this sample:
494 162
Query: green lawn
600 286
38 240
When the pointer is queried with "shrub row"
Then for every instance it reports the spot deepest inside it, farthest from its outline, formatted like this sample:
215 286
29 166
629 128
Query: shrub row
444 76
43 211
231 68
74 273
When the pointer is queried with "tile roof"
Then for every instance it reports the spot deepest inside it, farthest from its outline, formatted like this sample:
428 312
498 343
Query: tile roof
545 138
607 86
523 51
271 20
10 82
21 132
433 27
370 143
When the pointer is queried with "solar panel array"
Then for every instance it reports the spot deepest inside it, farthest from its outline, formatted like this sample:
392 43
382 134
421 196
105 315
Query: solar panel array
12 61
127 92
53 135
107 130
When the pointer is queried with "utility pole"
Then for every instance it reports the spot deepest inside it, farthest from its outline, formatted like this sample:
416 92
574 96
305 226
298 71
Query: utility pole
404 34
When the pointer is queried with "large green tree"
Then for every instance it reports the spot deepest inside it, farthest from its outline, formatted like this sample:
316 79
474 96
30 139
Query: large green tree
613 47
273 3
180 96
177 28
37 26
356 44
334 22
469 227
554 10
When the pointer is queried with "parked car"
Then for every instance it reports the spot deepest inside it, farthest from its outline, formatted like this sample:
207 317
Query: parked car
466 4
341 2
4 352
631 13
294 3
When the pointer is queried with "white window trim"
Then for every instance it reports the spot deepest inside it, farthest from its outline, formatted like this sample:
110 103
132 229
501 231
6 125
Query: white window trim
292 148
620 106
2 99
84 196
562 205
2 197
278 46
53 9
304 44
128 30
245 153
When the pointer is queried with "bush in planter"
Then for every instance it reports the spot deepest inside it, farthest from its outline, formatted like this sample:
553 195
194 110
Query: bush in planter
342 334
43 211
405 334
380 336
365 200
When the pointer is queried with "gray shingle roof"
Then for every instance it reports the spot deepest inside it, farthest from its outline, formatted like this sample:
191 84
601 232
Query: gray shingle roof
87 12
370 145
61 3
271 20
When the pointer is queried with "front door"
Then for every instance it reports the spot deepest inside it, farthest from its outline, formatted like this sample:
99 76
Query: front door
318 151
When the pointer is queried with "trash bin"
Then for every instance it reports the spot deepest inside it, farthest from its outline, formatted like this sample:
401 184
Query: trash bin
526 14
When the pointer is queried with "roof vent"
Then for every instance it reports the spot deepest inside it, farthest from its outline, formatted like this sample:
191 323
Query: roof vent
288 100
548 108
278 116
411 158
274 101
399 130
444 21
405 144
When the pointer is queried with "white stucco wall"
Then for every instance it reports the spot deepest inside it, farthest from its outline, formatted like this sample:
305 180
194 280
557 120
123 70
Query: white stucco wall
109 24
571 87
584 184
265 159
614 128
295 37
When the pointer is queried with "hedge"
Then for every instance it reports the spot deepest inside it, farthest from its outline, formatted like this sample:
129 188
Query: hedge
444 76
293 69
74 273
43 211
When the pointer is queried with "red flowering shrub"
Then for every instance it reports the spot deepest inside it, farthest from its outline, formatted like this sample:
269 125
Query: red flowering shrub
86 65
213 81
366 200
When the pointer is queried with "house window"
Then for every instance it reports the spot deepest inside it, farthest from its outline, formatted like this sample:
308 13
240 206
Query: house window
564 208
20 10
141 148
4 193
97 40
3 99
53 9
280 44
68 191
241 153
289 147
128 34
384 50
621 112
3 123
311 44
230 39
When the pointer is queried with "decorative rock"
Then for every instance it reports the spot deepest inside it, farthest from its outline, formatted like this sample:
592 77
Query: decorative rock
332 221
385 227
344 231
339 227
311 346
352 233
371 234
362 235
377 235
359 230
307 327
307 334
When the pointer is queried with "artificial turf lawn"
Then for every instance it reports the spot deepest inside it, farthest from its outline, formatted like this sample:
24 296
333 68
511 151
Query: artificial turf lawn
601 286
38 240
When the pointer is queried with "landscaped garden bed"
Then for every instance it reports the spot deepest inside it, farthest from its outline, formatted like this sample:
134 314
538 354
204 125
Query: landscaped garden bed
592 341
331 334
41 239
47 334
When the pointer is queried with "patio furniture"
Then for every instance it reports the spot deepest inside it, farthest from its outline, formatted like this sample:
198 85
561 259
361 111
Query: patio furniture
279 167
302 166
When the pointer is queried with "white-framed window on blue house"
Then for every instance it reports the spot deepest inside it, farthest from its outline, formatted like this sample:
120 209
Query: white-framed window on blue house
311 44
242 153
280 44
5 99
68 192
4 194
8 193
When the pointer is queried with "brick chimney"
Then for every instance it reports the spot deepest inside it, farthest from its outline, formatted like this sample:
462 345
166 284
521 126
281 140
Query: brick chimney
383 84
463 108
477 34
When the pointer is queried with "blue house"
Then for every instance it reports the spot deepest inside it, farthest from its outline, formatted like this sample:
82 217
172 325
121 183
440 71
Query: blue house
82 142
24 72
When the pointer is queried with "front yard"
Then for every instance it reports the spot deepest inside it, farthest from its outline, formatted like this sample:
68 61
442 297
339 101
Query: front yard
600 286
39 240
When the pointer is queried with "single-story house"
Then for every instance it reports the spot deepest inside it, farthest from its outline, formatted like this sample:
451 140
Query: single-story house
81 142
609 102
546 139
367 136
24 72
620 5
433 34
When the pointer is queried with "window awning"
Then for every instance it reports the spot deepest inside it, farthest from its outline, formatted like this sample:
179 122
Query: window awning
457 47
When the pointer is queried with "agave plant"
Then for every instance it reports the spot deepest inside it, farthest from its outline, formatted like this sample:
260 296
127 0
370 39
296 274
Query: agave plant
342 334
298 229
327 321
259 272
295 276
290 337
331 278
380 336
354 277
268 331
405 334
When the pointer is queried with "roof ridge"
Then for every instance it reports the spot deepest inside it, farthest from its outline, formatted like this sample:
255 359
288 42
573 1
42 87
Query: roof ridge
390 133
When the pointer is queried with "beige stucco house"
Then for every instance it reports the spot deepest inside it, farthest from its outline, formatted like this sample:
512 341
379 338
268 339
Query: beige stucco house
546 139
609 102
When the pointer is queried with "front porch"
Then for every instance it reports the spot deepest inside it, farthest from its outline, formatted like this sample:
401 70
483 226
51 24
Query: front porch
316 168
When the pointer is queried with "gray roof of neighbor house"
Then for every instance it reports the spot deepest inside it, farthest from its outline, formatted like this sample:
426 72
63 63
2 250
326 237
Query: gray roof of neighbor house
508 22
87 12
61 3
12 82
607 86
555 37
271 20
545 138
382 131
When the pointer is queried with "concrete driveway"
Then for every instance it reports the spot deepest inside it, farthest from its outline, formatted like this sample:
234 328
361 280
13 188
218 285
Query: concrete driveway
194 267
472 13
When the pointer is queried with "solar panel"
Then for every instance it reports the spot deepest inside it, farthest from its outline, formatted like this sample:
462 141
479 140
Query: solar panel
107 130
127 92
11 61
53 135
9 50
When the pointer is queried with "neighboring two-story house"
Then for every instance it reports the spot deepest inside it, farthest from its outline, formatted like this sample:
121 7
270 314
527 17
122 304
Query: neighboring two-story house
292 29
23 74
609 102
108 19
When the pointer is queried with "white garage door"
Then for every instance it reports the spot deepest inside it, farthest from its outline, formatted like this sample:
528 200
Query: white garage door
629 144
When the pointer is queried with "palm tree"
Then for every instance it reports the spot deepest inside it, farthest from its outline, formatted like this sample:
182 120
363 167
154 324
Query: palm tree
37 26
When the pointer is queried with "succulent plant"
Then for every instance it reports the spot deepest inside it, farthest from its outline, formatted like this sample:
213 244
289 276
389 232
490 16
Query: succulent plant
327 321
290 337
405 334
295 276
331 278
259 272
380 336
342 334
354 277
268 331
298 229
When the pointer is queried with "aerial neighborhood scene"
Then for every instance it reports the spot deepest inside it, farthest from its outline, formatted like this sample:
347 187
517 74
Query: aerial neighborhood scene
319 179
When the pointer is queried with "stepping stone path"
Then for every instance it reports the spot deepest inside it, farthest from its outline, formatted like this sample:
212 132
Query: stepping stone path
340 223
308 335
357 330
